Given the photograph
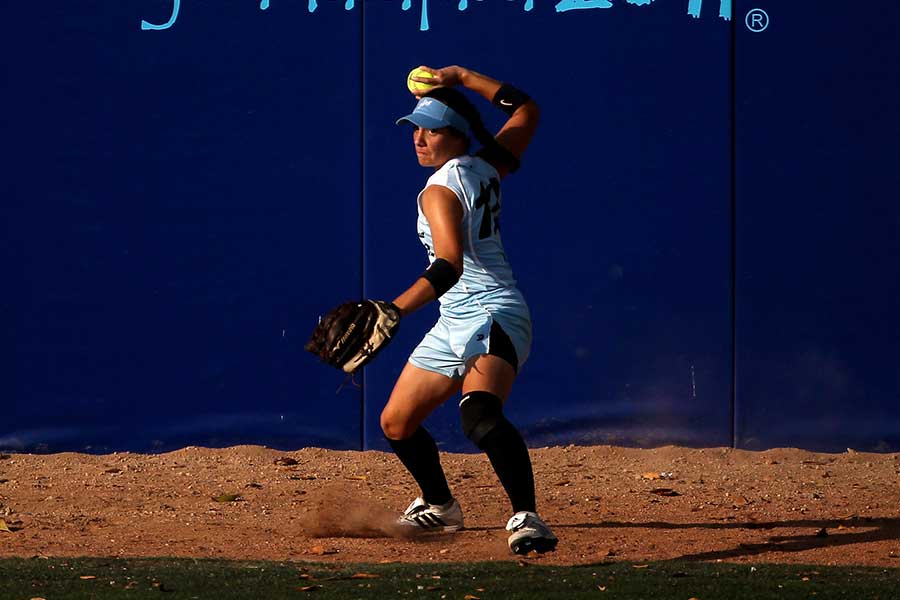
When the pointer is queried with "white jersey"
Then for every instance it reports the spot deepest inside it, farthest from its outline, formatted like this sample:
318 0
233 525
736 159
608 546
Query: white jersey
485 266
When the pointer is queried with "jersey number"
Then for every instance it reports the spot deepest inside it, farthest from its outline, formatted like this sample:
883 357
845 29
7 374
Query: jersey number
489 198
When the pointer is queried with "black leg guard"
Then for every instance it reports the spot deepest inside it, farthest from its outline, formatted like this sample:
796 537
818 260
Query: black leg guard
419 454
483 423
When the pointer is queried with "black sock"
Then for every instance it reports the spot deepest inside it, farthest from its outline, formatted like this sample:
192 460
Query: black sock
419 454
509 456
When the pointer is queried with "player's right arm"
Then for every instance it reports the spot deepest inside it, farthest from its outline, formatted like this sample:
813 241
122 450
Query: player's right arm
444 213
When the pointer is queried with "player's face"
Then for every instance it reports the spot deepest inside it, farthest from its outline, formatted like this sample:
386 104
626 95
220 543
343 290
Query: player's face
434 147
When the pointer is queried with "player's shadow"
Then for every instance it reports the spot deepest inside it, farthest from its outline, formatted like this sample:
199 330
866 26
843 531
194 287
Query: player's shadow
876 529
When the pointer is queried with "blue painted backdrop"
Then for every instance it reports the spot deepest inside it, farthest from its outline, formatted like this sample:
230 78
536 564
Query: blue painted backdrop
705 226
818 226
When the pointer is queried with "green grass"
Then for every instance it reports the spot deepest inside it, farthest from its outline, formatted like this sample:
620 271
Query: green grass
59 578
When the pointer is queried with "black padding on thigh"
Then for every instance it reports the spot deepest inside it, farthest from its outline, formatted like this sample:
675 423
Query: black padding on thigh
481 412
502 346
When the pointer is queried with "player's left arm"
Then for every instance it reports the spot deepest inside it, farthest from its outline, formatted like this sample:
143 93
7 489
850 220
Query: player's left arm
444 213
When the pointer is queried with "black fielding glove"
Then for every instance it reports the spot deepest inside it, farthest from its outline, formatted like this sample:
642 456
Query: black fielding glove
350 335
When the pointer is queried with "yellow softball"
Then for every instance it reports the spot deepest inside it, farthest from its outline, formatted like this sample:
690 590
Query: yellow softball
417 87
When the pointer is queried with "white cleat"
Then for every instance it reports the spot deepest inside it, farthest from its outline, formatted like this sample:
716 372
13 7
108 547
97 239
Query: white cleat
529 533
424 517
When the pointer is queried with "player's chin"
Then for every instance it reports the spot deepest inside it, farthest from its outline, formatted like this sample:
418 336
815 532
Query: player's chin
424 160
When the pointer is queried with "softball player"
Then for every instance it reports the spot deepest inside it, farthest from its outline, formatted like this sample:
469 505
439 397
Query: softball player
483 334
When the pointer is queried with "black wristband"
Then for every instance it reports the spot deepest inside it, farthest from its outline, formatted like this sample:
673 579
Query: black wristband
441 275
508 98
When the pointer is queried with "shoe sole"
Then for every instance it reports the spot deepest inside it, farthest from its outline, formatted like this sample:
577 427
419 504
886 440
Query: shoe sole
416 528
539 545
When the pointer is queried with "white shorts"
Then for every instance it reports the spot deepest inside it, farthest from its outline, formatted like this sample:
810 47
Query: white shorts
464 331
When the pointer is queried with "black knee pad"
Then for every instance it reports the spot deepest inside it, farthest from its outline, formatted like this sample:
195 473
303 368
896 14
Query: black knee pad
481 413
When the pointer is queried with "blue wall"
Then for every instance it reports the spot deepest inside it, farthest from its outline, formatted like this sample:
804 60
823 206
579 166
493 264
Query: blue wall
818 226
705 226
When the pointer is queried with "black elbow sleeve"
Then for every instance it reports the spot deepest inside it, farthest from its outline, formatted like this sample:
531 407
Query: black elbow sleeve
441 275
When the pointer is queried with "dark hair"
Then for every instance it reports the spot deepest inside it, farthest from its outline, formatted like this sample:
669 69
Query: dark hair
491 148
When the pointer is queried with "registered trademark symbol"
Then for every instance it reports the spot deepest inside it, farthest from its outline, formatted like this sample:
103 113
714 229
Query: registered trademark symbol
757 20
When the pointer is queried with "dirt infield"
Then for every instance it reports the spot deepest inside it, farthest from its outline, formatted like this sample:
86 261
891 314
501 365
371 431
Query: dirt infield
605 503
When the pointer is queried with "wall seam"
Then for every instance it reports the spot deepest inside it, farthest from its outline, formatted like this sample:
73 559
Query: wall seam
362 203
734 373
